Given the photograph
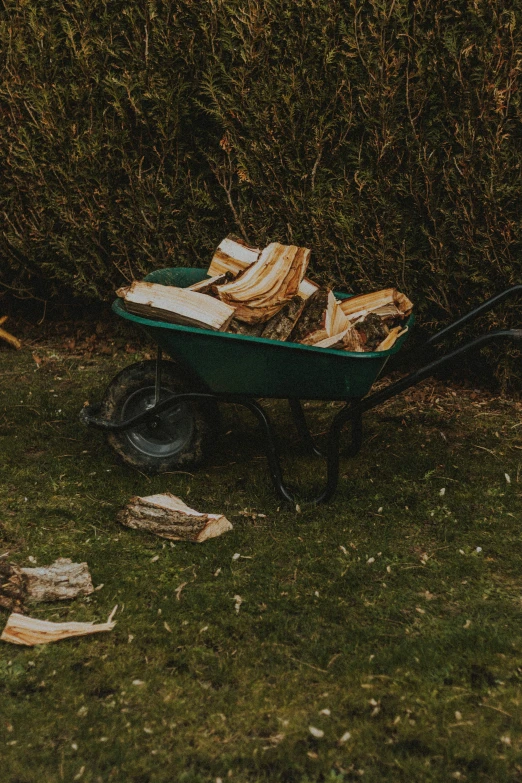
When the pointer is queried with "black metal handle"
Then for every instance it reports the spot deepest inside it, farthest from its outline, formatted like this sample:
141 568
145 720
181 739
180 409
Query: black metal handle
423 372
489 304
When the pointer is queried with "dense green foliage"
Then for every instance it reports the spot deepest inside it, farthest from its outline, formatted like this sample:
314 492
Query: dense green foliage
384 134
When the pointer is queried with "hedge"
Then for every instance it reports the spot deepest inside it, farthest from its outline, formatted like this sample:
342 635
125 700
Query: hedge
386 135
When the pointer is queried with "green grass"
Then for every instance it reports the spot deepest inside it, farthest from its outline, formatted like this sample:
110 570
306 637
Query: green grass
377 607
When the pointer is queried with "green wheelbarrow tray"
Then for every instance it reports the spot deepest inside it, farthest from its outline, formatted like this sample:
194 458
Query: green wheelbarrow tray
157 415
239 364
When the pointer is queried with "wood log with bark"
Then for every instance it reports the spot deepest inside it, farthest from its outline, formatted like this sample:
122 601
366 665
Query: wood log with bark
280 326
169 517
176 305
274 279
232 255
63 580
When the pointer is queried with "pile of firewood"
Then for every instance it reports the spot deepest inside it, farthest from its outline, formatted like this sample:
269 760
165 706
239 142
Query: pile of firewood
264 293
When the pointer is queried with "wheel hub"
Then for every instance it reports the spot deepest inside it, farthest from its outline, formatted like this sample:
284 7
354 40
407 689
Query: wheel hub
167 433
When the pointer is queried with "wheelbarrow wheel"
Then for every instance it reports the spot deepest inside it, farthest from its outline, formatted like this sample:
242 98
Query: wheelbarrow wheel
177 438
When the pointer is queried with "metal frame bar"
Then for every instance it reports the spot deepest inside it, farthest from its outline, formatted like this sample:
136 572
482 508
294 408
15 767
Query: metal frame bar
351 413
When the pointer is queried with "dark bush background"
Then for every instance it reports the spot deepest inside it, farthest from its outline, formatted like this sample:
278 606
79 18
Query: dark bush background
386 135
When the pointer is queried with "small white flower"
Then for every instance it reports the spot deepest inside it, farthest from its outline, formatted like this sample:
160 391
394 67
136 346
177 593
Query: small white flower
236 556
370 561
478 549
379 511
442 491
317 733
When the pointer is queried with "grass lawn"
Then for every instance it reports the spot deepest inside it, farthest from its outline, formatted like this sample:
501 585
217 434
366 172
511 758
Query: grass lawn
389 621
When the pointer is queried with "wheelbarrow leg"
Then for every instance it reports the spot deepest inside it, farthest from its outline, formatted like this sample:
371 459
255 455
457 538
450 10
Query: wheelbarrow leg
302 428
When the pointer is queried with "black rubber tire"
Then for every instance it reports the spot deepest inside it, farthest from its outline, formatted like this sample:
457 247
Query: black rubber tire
179 438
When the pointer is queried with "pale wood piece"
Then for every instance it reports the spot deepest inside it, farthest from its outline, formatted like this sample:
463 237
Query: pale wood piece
232 255
176 305
61 581
335 319
261 291
280 325
389 301
403 303
307 287
169 517
390 340
364 303
29 631
3 319
9 338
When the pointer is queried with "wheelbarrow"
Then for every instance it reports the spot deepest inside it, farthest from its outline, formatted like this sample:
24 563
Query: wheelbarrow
162 415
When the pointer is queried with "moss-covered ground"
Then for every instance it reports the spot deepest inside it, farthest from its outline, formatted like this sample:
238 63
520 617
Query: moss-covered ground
389 620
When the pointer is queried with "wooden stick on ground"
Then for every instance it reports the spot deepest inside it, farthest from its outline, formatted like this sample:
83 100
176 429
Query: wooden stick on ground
29 631
9 338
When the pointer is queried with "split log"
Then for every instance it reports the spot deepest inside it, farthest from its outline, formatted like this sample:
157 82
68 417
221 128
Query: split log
169 517
361 305
29 631
61 581
390 340
274 279
312 316
348 340
372 331
335 319
233 255
176 305
239 327
280 325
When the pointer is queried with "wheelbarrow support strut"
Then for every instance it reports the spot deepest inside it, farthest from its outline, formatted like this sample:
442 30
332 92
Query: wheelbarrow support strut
351 413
